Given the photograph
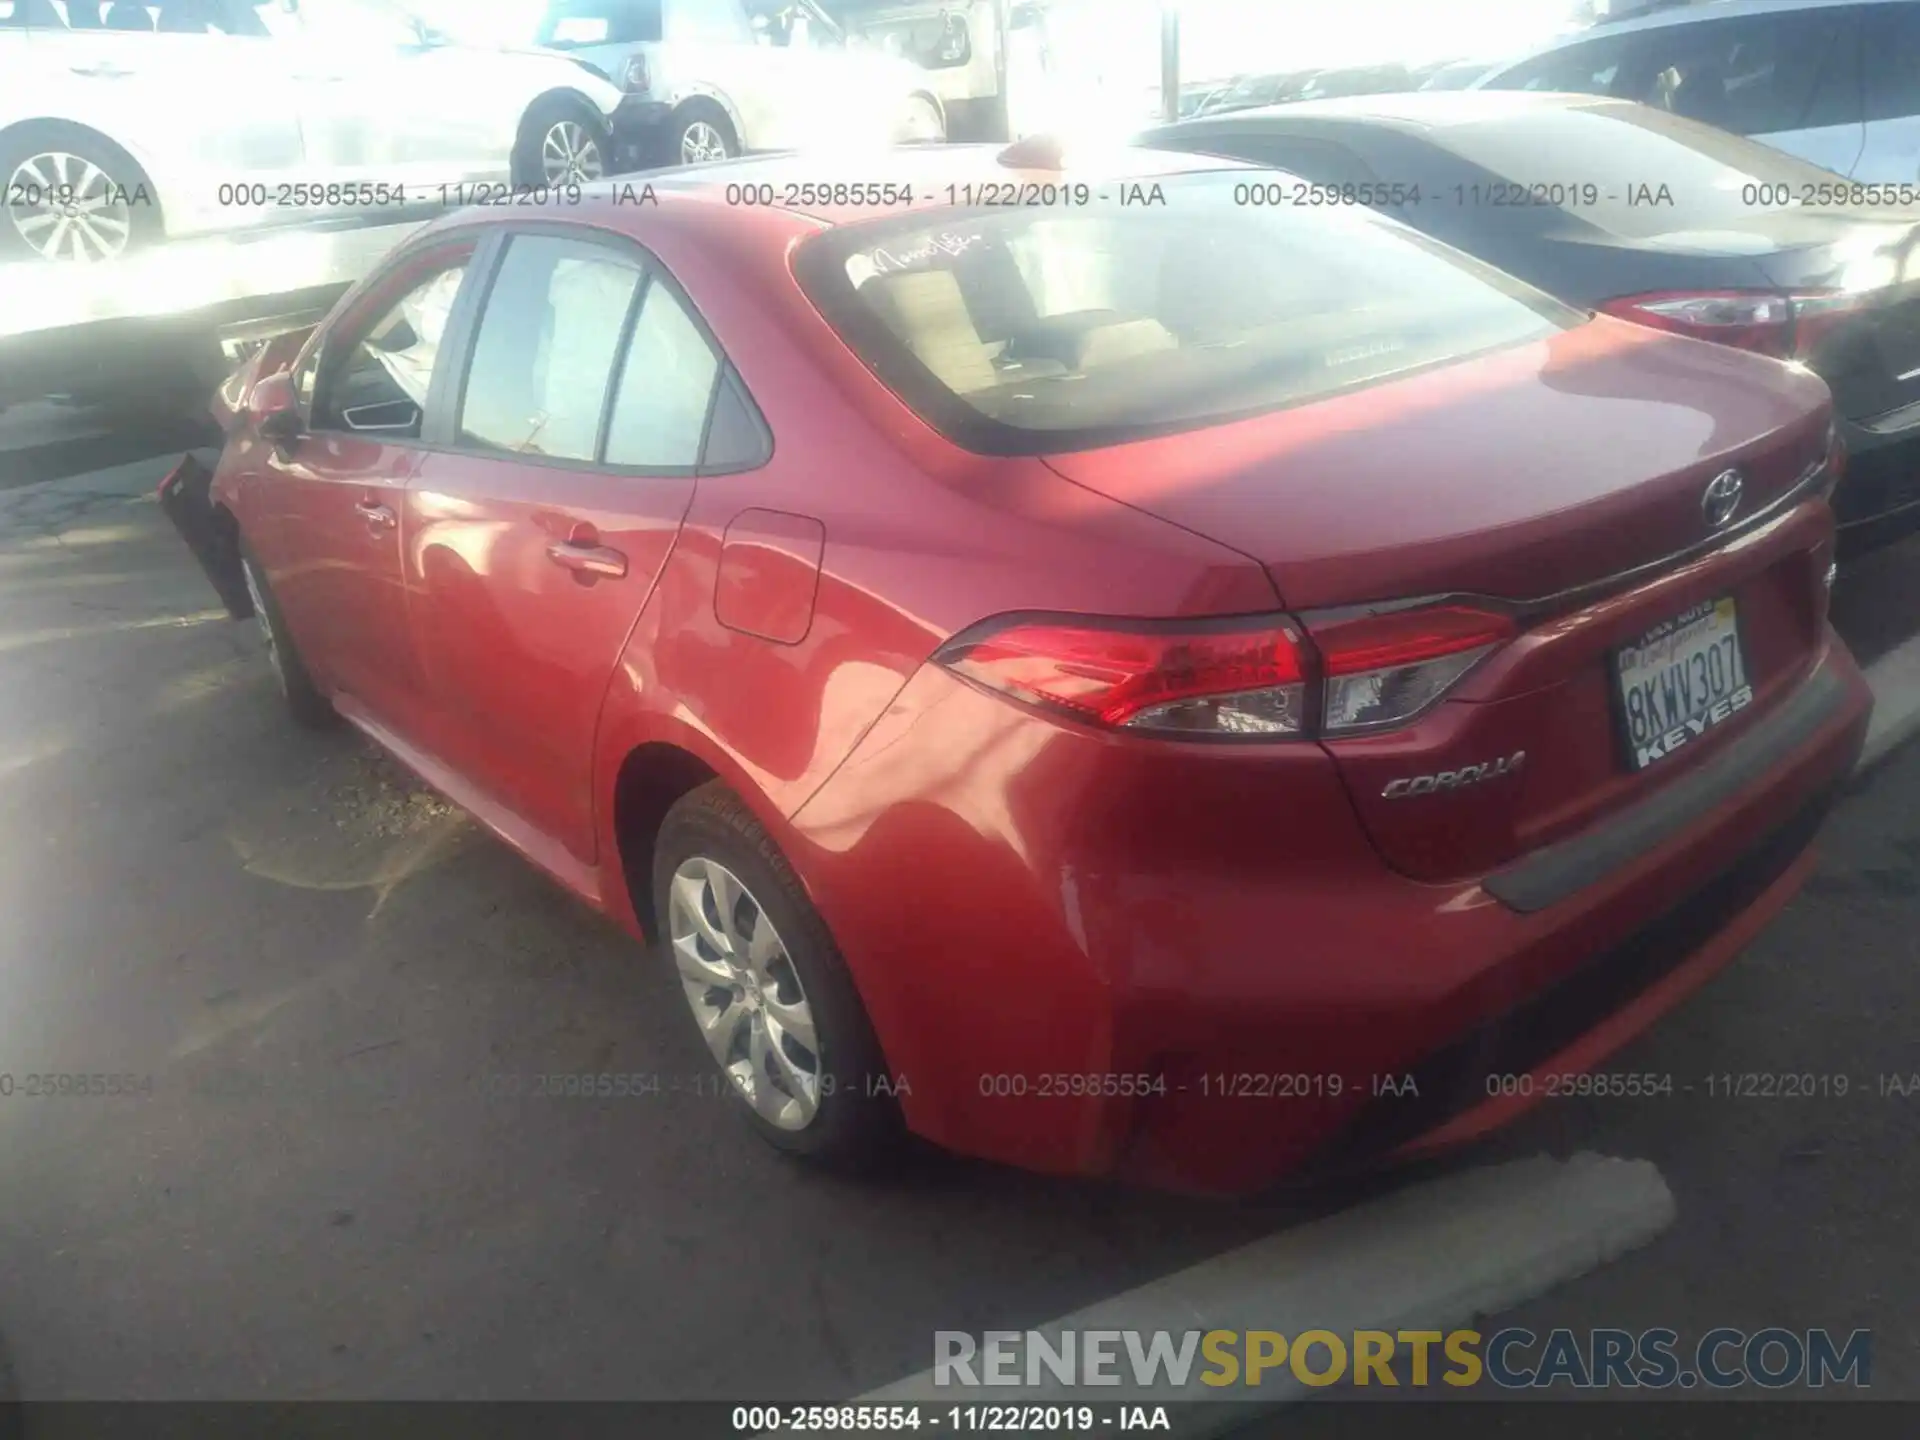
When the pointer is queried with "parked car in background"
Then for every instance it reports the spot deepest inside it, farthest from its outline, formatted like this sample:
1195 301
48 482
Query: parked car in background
1358 80
955 42
1089 64
126 123
1249 92
1195 94
1653 218
1166 641
1253 91
1836 82
717 78
1453 75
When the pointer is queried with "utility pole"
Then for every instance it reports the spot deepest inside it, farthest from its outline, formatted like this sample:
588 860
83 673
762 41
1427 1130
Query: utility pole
1169 61
1001 124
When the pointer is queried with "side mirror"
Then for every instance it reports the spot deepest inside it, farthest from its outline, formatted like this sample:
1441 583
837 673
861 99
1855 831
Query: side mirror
274 409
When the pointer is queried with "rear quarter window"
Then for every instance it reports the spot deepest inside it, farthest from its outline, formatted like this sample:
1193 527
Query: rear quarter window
1634 171
1028 332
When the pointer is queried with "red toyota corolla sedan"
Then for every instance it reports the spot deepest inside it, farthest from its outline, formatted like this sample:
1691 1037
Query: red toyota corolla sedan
1117 680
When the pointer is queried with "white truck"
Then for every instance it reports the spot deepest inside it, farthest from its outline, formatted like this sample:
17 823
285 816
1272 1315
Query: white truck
1007 68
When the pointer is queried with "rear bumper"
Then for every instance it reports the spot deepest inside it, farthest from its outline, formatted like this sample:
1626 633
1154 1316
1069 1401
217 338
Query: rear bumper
1030 947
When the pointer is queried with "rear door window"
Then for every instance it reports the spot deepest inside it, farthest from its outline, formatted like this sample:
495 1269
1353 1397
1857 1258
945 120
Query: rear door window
543 357
1033 331
1755 75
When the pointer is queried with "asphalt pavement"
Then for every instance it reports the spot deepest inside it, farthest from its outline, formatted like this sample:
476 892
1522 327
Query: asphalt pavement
318 984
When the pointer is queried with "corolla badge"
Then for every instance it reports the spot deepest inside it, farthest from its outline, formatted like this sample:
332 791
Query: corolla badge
1447 780
1722 499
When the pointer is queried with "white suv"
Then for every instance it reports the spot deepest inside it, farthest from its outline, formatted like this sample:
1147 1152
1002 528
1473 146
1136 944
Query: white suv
711 79
1836 82
123 123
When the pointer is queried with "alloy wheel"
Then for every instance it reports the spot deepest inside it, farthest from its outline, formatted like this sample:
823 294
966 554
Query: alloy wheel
745 994
570 155
702 141
66 207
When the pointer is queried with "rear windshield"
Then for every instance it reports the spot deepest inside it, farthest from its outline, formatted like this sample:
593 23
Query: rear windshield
1024 331
580 24
1641 173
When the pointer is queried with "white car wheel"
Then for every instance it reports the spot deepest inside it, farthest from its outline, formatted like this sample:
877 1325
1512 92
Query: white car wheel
571 154
73 202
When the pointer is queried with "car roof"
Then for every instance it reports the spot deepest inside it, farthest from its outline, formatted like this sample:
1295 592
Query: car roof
696 190
932 167
1411 110
1691 14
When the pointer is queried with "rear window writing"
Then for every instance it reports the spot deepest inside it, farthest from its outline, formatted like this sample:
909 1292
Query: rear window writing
1024 331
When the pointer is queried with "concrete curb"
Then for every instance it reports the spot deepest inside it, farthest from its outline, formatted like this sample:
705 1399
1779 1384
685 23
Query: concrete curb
1895 678
1430 1257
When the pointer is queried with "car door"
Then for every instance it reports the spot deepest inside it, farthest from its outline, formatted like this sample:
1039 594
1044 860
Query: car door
192 87
543 515
1891 152
1790 79
380 105
337 493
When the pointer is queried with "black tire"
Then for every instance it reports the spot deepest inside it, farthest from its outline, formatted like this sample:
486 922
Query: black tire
54 146
706 120
857 1123
310 709
530 169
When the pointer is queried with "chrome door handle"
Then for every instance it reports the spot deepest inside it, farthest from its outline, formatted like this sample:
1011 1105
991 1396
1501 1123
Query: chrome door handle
105 70
380 517
588 559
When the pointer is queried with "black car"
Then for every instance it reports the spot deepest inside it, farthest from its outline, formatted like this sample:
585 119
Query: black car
1248 92
1646 215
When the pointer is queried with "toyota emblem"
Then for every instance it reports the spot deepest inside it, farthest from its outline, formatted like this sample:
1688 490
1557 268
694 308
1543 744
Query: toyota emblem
1722 500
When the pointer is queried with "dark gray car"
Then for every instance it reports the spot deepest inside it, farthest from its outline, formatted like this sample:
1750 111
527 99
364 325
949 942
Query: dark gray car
1619 207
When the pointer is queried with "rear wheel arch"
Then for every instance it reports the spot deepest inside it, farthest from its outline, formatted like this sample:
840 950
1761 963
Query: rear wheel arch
652 779
226 530
934 101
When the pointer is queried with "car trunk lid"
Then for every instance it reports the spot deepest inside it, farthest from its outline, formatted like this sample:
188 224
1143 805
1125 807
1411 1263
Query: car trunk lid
1561 482
1532 471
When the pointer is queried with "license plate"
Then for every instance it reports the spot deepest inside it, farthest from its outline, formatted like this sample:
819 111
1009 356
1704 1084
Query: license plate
1680 680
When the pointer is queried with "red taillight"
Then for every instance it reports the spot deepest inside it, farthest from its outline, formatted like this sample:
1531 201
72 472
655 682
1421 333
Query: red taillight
1383 669
1205 677
1764 321
1249 679
1817 314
